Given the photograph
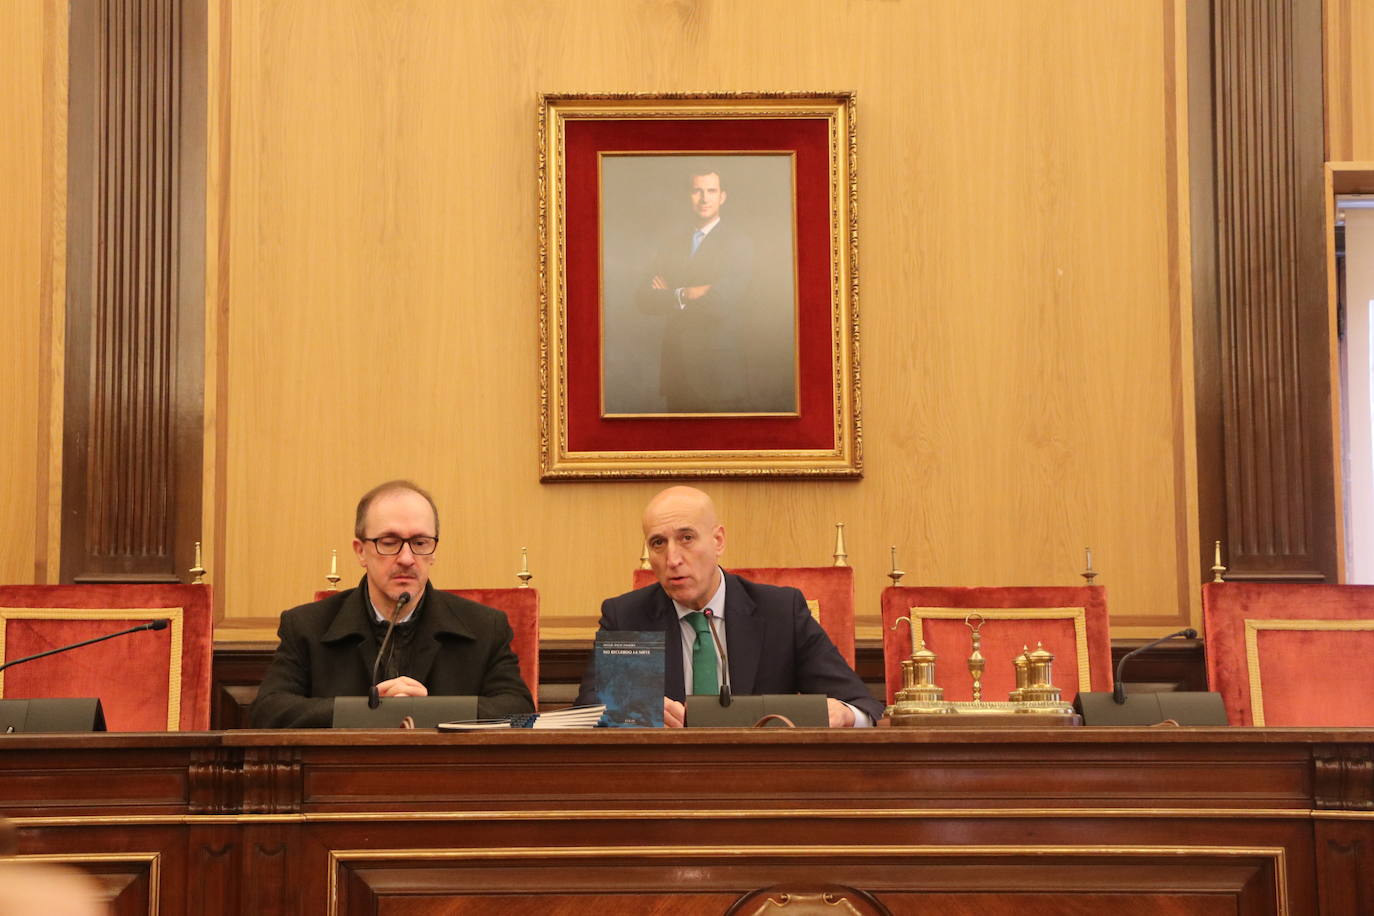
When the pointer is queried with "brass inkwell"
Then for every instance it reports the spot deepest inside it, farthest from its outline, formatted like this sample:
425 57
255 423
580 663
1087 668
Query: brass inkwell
1035 701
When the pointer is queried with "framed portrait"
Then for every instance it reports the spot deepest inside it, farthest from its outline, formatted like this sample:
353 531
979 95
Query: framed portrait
698 284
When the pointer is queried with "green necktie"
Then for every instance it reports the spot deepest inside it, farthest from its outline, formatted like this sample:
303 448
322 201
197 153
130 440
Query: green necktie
704 679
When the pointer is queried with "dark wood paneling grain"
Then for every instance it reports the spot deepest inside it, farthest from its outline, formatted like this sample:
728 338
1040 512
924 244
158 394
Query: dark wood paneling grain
131 477
1261 333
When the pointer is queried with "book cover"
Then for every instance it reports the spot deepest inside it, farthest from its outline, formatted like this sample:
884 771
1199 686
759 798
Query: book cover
629 677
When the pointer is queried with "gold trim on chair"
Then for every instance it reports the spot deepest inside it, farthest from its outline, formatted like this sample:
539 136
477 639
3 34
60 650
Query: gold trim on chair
814 607
1078 615
1252 660
142 614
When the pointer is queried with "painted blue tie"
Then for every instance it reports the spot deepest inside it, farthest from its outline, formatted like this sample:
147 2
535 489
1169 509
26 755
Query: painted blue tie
696 240
704 677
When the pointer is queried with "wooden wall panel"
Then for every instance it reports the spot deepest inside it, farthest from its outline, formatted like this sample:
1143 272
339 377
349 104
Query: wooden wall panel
21 162
1027 367
32 135
1349 56
131 474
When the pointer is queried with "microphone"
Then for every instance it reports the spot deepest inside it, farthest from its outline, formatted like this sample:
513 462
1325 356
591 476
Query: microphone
159 624
1119 687
724 661
374 699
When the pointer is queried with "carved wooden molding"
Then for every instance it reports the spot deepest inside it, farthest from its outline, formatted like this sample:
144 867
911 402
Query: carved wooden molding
131 476
1263 341
1343 777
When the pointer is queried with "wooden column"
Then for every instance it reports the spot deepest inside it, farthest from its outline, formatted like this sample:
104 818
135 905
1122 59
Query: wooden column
1261 325
131 477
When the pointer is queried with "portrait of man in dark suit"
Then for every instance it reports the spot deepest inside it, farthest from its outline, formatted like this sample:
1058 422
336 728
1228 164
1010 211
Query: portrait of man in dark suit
700 317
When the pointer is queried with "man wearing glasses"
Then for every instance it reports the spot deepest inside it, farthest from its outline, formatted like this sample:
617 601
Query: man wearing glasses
442 644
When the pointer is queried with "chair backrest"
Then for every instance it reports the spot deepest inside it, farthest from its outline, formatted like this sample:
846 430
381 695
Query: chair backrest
1070 621
829 593
521 607
157 680
1291 655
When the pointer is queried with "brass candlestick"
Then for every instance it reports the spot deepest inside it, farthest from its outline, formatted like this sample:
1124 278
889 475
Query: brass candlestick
333 577
896 574
1089 573
198 571
841 558
1217 569
524 575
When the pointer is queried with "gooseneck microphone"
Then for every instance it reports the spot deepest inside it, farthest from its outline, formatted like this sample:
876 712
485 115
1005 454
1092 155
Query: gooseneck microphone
159 624
1119 687
724 661
374 699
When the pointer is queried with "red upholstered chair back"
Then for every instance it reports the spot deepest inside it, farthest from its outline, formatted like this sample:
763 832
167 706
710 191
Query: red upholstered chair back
1071 622
1294 655
158 680
829 592
521 606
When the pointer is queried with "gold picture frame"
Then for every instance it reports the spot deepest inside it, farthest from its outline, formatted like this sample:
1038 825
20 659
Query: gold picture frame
762 382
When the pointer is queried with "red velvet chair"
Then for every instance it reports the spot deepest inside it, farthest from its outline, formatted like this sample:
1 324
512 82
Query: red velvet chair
829 593
158 680
1291 654
521 606
1070 621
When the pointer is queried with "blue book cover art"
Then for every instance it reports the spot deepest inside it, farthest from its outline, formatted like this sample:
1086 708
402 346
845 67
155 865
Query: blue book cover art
629 677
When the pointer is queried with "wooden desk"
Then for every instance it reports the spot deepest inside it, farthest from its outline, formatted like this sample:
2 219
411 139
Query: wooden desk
983 821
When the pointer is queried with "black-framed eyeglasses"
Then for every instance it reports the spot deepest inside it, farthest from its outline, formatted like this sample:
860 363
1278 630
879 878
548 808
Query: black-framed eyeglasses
422 545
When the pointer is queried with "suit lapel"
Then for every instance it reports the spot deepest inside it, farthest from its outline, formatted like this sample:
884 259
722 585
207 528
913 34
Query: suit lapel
743 637
438 622
350 624
666 619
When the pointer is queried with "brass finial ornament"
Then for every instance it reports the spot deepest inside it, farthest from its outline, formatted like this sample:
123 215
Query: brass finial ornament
333 577
1089 573
841 558
198 571
524 575
896 574
1217 569
976 663
644 557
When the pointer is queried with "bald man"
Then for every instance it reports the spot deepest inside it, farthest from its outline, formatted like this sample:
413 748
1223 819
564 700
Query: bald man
768 635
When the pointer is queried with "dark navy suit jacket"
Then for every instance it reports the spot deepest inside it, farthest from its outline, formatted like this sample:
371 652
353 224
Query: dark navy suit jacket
773 642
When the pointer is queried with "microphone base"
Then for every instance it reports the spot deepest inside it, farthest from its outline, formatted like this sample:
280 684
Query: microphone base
1191 708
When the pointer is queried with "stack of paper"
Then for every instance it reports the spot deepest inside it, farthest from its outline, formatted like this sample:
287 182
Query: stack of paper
572 717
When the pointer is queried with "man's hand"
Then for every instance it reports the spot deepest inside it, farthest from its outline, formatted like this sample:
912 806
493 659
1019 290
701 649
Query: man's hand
674 713
409 687
695 292
657 282
841 716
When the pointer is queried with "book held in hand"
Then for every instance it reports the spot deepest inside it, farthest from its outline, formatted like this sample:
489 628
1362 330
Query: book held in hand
629 677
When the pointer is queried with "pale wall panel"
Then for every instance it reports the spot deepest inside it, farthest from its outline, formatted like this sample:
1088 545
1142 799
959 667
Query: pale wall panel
1350 79
21 274
1021 352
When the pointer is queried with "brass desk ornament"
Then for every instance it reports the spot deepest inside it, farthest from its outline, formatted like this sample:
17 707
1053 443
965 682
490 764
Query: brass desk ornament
1034 701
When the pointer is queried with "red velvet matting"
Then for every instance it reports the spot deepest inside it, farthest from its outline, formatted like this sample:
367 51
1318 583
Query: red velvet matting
831 587
1002 640
130 674
814 427
521 607
1312 672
